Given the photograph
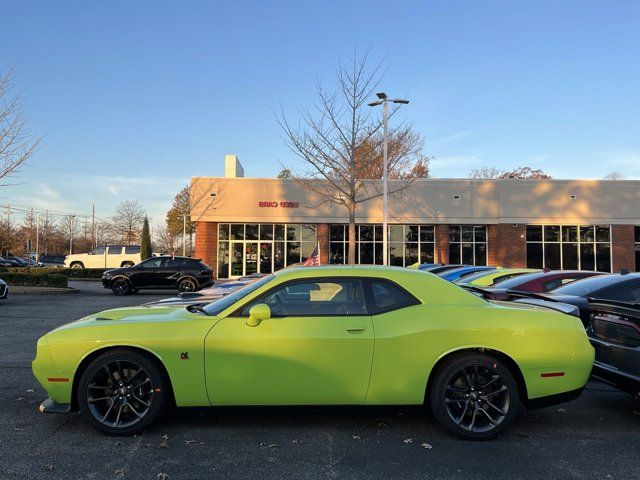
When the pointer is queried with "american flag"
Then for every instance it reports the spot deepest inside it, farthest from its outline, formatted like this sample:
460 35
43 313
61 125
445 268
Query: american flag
314 258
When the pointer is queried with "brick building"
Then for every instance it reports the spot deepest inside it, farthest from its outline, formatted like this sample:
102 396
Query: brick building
246 225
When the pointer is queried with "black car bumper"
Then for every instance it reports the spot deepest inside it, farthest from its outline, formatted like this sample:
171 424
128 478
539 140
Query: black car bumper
106 282
542 402
611 375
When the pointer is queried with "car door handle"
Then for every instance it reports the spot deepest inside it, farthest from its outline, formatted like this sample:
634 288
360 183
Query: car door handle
356 330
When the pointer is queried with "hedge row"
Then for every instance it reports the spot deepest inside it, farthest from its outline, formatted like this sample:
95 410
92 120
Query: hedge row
66 272
34 279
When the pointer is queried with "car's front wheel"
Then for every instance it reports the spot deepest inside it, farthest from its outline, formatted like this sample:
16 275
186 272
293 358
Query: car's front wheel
77 265
474 396
121 392
120 286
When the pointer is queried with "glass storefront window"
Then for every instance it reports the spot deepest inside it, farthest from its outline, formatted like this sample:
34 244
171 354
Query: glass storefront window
244 249
468 244
569 247
408 244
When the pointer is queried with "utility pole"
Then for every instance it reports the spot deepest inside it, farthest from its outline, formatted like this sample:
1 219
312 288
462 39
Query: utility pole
37 235
93 226
184 235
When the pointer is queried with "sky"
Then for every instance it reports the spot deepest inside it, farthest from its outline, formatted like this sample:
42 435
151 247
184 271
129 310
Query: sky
134 98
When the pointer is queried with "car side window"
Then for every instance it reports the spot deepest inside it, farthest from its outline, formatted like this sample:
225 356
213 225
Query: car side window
153 263
174 263
314 298
551 284
387 296
114 250
131 249
98 251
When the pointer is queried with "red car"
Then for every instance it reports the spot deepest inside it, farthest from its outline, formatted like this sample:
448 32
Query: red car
538 282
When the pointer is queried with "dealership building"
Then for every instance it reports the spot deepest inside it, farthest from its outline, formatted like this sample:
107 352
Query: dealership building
248 225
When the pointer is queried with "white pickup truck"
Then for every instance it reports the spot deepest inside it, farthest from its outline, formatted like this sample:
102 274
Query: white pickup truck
111 256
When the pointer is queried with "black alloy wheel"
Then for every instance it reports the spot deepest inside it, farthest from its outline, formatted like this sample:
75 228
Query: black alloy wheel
187 285
475 396
121 393
120 286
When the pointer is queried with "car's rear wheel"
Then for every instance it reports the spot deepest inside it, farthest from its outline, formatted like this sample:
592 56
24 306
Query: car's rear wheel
121 393
77 265
120 286
127 264
474 396
187 285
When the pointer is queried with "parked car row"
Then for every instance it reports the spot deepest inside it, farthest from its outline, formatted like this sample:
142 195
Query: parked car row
608 306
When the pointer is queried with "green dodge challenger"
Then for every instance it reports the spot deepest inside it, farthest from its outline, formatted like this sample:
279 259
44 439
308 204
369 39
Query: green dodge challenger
349 335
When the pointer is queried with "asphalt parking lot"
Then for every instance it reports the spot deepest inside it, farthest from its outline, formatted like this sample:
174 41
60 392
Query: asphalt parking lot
597 436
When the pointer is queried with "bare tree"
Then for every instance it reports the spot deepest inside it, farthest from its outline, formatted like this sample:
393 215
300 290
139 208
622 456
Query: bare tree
486 173
69 226
519 173
165 241
17 144
339 140
127 221
614 176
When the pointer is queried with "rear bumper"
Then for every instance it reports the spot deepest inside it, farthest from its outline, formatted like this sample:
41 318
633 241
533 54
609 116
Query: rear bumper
49 406
542 402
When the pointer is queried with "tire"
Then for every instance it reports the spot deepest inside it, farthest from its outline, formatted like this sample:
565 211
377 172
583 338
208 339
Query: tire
126 264
77 265
127 407
187 285
120 286
474 396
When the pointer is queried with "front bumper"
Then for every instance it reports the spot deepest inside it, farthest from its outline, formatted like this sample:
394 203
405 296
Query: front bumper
619 379
49 406
106 282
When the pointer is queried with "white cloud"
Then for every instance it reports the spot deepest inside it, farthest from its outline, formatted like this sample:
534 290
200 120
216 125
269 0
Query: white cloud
456 136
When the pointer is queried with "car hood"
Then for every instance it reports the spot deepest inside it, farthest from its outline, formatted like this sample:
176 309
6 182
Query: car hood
117 271
140 314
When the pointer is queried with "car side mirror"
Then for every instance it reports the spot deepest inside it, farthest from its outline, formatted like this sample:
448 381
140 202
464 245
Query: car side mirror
257 314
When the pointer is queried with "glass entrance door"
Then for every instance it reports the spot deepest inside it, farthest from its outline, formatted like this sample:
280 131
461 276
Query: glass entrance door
251 258
237 259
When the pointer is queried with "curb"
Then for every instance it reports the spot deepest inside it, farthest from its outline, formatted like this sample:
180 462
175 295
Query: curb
24 290
73 279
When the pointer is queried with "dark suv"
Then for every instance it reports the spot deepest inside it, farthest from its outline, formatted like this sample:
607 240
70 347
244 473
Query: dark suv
184 273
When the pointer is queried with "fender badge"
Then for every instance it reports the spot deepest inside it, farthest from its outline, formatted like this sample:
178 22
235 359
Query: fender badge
184 356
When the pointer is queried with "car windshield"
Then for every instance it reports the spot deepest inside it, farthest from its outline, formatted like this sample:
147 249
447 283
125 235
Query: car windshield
217 306
587 286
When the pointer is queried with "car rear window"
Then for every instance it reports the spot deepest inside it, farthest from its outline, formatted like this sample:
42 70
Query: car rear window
589 285
387 296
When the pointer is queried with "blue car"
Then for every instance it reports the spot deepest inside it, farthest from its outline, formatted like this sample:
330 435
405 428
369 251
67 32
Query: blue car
460 272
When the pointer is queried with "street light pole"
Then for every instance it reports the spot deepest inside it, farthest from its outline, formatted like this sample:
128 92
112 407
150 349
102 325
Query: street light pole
385 188
384 101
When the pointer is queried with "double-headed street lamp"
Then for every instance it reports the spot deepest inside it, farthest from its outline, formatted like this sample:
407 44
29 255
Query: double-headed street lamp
384 101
